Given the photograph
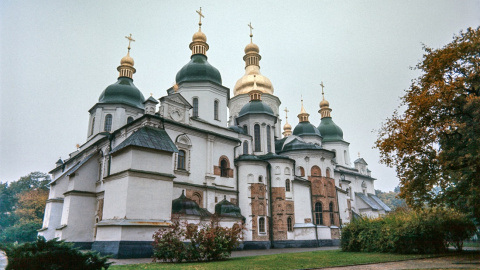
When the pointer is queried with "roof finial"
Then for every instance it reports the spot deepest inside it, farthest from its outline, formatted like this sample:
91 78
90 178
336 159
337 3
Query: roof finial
200 19
303 115
287 128
286 114
323 95
358 154
251 34
130 39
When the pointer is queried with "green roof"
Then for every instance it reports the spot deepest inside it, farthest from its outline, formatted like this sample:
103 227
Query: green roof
148 137
185 206
198 69
227 209
123 92
305 128
255 107
330 131
296 144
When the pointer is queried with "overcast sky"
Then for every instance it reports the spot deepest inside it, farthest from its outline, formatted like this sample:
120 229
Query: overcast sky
56 57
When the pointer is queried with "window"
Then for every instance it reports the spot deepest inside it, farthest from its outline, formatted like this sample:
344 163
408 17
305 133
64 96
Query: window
108 123
129 120
330 207
328 173
318 213
269 140
316 171
93 125
260 179
215 109
181 160
245 148
223 168
245 129
287 185
289 224
256 131
261 225
301 171
195 107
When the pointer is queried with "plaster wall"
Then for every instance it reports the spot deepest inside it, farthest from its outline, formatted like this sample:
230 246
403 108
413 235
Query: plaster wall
80 219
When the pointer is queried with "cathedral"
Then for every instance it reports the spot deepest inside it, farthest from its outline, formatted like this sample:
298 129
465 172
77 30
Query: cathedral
203 151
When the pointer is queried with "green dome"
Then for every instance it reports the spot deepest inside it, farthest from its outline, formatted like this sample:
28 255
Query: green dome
227 209
305 128
296 144
186 206
329 130
255 107
124 92
198 69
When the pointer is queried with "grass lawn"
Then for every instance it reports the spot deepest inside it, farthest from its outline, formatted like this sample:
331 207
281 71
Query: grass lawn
313 259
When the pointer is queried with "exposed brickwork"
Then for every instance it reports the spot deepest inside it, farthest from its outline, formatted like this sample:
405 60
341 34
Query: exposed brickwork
323 191
258 194
195 195
335 233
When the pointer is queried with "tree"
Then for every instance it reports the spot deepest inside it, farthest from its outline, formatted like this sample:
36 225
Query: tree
435 144
390 198
22 204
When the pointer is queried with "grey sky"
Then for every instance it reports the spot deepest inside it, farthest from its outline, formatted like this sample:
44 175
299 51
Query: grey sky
58 56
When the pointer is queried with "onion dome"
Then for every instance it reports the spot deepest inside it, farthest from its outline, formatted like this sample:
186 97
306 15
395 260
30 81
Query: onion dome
252 69
255 106
329 130
124 91
185 206
287 128
227 209
198 69
304 127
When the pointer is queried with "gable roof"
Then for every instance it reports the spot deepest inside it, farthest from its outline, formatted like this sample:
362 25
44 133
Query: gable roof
148 137
178 99
373 201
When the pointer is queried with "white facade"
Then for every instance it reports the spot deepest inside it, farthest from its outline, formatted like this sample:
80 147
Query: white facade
127 180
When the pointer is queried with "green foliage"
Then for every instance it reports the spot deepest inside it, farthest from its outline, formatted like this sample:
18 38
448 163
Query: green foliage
52 255
391 198
22 205
210 242
408 231
434 144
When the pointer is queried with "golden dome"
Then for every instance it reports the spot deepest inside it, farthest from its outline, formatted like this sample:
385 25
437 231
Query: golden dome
324 103
252 48
245 84
199 36
127 60
287 126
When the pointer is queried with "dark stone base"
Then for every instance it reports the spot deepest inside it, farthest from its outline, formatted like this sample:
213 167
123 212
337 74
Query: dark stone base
82 245
255 245
124 249
306 243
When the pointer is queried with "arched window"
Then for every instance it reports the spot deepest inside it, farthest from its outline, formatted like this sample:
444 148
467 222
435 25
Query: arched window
195 107
318 213
301 171
330 208
328 173
215 109
289 224
245 129
287 185
345 156
223 168
181 160
108 123
93 126
245 148
261 224
269 140
316 171
129 120
256 131
260 179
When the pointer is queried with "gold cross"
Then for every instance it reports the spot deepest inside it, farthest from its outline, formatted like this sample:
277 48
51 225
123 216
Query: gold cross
286 112
321 84
200 21
251 28
130 39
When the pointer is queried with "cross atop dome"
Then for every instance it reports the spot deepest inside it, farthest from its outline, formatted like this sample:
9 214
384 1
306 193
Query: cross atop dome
200 14
251 34
130 39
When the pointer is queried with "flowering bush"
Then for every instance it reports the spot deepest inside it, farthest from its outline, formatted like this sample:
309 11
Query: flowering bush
207 242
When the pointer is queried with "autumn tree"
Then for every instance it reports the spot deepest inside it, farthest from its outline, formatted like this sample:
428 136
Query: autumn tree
435 143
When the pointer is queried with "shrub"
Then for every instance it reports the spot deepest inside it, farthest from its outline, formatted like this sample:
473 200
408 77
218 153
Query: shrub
207 242
406 231
53 254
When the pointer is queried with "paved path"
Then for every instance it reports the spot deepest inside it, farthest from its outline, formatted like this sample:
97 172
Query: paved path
452 262
3 260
